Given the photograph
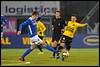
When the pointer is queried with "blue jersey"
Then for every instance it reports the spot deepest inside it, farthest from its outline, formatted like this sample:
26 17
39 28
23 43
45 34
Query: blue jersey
3 20
31 23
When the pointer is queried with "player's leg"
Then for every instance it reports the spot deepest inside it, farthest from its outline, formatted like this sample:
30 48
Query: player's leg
55 40
45 44
62 44
1 32
65 52
60 48
68 48
67 43
58 44
54 45
32 42
39 45
48 47
27 52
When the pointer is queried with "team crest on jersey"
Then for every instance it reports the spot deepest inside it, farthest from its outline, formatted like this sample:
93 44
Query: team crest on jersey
73 24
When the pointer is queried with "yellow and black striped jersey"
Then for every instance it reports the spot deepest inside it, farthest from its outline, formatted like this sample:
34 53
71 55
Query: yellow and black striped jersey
71 28
40 28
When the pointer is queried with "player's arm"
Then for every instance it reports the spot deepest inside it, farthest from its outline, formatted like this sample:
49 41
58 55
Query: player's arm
44 16
82 25
5 20
64 24
53 19
65 28
21 25
41 17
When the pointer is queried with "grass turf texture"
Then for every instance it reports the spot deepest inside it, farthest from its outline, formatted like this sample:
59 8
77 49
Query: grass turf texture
78 57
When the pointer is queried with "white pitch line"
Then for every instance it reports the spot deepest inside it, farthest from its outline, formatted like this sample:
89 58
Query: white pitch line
11 60
12 64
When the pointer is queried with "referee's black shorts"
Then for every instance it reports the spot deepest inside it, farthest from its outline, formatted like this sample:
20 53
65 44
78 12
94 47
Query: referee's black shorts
67 40
56 37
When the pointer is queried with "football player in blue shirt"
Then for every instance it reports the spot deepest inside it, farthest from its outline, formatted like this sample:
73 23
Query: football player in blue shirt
3 23
32 32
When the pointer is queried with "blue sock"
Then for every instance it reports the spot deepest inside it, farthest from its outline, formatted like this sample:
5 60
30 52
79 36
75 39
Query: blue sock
50 48
27 52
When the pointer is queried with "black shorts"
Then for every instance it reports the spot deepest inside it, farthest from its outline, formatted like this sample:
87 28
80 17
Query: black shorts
65 39
41 37
56 37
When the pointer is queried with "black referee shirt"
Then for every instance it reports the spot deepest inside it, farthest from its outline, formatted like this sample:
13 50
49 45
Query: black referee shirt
58 24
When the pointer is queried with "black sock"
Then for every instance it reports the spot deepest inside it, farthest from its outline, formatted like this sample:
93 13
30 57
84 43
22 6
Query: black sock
58 44
39 47
60 47
54 52
68 48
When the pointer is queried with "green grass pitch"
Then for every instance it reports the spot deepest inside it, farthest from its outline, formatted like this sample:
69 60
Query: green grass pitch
78 57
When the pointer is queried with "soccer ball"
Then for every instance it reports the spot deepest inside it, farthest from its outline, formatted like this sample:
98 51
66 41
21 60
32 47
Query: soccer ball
65 54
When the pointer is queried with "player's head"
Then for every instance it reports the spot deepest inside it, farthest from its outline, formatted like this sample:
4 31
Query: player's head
73 18
57 14
35 15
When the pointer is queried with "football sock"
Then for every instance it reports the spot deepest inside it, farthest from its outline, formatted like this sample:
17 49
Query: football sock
54 52
50 48
68 48
39 47
60 47
27 52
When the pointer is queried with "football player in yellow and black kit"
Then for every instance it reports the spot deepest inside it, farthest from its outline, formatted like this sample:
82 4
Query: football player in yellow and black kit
68 35
40 32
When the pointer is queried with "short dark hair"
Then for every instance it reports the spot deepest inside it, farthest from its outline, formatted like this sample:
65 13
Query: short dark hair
57 11
35 13
75 15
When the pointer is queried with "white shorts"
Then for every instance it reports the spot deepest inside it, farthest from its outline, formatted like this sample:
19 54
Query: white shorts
35 40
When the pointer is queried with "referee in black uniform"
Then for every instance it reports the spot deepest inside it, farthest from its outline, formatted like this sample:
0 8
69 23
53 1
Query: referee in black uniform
57 27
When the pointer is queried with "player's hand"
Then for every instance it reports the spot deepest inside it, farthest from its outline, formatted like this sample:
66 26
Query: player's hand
62 30
19 32
86 24
1 25
52 29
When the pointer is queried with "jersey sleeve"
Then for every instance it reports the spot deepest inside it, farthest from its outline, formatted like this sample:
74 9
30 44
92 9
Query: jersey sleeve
53 20
4 20
41 17
24 24
63 23
81 25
